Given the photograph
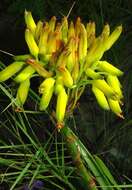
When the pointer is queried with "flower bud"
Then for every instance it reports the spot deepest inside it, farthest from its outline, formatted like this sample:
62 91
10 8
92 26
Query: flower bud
10 70
62 99
107 67
113 37
33 48
115 107
47 89
115 84
30 22
22 92
52 23
105 88
26 73
100 97
38 30
82 47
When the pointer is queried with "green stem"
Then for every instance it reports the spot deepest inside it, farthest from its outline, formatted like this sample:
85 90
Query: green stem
74 149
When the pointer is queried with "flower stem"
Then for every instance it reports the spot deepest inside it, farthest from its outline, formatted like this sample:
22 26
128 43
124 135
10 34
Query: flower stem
74 149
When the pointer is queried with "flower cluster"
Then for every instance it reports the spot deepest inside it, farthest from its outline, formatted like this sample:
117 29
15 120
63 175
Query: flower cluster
67 56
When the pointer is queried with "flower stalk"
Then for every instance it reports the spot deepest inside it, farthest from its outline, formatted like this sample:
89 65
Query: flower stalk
74 149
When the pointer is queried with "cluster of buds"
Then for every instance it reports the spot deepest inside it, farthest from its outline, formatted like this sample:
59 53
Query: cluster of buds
67 56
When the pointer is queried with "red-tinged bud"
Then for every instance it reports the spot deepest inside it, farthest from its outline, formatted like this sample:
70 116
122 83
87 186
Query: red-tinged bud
77 26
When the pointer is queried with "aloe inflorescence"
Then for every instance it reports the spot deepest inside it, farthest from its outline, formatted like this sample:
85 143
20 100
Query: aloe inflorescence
67 56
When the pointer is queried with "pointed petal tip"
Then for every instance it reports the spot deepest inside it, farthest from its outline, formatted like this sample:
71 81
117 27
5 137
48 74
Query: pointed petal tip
121 116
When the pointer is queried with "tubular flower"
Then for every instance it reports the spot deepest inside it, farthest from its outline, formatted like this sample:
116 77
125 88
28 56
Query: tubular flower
67 56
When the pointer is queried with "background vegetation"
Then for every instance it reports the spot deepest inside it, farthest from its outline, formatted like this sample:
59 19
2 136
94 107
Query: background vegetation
31 150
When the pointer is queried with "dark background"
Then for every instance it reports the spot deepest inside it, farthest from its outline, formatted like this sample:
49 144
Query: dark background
103 133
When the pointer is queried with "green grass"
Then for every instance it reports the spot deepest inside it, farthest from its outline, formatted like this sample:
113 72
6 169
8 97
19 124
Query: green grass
24 158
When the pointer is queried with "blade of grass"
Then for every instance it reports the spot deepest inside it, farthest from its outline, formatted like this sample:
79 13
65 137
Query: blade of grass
25 170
